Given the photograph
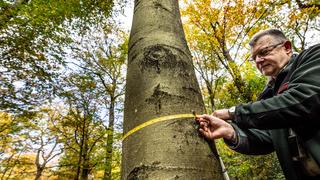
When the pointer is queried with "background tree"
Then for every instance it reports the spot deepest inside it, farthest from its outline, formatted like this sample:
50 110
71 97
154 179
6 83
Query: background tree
300 20
32 146
46 143
218 32
32 36
104 59
82 129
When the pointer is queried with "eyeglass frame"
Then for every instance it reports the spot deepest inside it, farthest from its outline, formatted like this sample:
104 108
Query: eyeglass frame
267 50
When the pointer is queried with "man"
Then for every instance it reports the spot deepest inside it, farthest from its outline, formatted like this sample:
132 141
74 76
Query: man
286 117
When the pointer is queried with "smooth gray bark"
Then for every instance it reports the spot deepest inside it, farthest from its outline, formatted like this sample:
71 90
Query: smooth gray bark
161 81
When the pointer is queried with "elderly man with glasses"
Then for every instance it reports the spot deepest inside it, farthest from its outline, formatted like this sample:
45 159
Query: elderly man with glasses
286 116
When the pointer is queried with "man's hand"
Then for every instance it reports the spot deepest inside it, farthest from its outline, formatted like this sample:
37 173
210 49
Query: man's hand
222 114
213 128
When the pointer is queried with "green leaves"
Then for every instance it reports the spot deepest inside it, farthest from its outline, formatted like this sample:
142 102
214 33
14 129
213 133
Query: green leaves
33 35
44 60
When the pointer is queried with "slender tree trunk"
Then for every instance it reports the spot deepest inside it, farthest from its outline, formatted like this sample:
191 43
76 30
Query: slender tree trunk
39 173
85 165
38 165
78 166
109 146
211 94
80 161
85 169
161 81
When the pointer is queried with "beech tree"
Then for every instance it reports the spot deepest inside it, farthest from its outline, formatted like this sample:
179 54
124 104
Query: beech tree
102 58
161 81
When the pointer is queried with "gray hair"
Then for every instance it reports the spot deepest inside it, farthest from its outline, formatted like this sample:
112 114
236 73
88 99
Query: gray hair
277 34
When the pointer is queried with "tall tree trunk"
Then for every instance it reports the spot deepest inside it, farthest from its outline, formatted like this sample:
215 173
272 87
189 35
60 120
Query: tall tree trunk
78 165
85 169
85 165
109 147
80 161
161 81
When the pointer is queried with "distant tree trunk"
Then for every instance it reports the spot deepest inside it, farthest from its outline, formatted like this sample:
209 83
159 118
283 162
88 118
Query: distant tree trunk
79 158
38 165
85 163
41 165
109 147
85 169
39 173
83 148
161 81
211 93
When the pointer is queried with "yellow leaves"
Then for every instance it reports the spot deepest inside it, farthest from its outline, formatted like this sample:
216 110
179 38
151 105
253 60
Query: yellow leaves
5 121
303 14
22 167
298 16
5 117
217 32
5 129
220 20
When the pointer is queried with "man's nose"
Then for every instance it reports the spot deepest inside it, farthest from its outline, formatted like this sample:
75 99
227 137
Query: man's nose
259 58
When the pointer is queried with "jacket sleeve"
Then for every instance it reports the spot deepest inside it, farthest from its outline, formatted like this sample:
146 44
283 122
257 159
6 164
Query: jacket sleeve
298 105
251 141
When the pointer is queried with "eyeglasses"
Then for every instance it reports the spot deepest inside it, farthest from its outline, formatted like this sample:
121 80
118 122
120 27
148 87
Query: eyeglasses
264 51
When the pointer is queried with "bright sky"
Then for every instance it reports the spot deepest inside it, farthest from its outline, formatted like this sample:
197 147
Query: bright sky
126 17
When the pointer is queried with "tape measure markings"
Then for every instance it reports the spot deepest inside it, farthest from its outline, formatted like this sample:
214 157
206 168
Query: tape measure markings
156 120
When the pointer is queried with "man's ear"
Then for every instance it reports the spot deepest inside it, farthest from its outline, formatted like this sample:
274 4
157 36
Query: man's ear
288 46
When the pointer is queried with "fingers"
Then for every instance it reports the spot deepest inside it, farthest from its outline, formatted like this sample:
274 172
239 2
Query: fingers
210 120
213 128
206 134
203 118
209 133
204 126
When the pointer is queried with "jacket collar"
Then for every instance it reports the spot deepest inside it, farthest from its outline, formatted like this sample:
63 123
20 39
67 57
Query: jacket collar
282 76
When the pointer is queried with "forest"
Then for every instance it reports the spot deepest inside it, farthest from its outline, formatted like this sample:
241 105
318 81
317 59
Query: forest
69 87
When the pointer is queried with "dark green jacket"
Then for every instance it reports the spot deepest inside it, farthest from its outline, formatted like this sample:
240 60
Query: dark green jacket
292 101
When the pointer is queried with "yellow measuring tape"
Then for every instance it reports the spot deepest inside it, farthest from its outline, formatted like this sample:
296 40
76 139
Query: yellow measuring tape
156 120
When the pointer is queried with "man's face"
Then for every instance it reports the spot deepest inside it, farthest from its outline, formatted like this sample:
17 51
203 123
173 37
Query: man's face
271 55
